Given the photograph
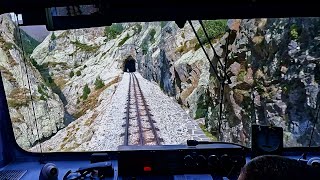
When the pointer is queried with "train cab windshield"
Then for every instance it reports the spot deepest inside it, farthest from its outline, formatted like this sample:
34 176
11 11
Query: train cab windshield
154 83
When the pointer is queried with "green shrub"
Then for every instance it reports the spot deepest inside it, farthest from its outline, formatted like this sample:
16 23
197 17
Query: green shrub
152 32
78 73
241 75
113 31
98 83
144 47
8 46
86 92
71 74
53 36
35 64
214 29
42 98
163 23
29 43
42 91
124 40
294 34
137 28
75 65
85 47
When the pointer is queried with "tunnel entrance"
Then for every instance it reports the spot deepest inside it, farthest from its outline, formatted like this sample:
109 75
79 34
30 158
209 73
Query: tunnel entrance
129 65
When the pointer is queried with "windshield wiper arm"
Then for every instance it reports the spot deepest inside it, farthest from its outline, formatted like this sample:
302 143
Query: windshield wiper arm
205 52
195 143
215 53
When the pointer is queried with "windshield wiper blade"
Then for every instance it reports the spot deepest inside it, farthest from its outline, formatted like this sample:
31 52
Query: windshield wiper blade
195 143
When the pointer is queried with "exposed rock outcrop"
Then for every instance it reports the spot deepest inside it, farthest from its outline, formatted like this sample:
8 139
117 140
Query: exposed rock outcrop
273 67
36 112
272 64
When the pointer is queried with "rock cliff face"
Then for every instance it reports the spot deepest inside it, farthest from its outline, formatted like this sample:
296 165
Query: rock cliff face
76 61
273 65
33 118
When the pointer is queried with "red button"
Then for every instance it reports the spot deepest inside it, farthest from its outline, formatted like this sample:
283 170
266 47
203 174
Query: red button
147 168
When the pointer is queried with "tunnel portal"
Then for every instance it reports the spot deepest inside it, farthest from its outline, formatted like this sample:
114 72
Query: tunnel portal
129 65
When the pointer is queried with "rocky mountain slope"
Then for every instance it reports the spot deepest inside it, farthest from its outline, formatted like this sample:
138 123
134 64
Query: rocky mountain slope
85 67
36 112
272 64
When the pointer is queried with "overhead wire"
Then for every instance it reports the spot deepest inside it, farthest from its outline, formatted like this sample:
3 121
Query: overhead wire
221 78
204 51
28 82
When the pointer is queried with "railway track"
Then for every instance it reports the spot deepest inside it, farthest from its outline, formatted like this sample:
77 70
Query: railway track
139 125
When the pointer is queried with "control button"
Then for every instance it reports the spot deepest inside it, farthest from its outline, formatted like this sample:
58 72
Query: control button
239 161
201 161
147 169
189 161
213 160
226 161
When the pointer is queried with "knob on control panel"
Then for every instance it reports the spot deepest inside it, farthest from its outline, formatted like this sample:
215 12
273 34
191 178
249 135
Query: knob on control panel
201 161
49 172
213 160
189 161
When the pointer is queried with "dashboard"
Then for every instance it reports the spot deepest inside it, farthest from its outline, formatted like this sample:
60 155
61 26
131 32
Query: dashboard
163 162
215 161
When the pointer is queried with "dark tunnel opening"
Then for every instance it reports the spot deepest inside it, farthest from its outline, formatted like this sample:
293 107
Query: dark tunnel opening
129 65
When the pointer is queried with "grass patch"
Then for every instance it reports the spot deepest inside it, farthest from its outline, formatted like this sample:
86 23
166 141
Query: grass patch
16 120
89 121
207 133
60 82
98 83
85 47
63 65
92 101
18 98
192 44
7 46
124 40
111 32
67 141
258 40
7 75
241 75
214 28
184 48
64 34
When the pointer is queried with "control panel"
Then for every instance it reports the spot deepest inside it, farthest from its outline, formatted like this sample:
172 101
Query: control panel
218 161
